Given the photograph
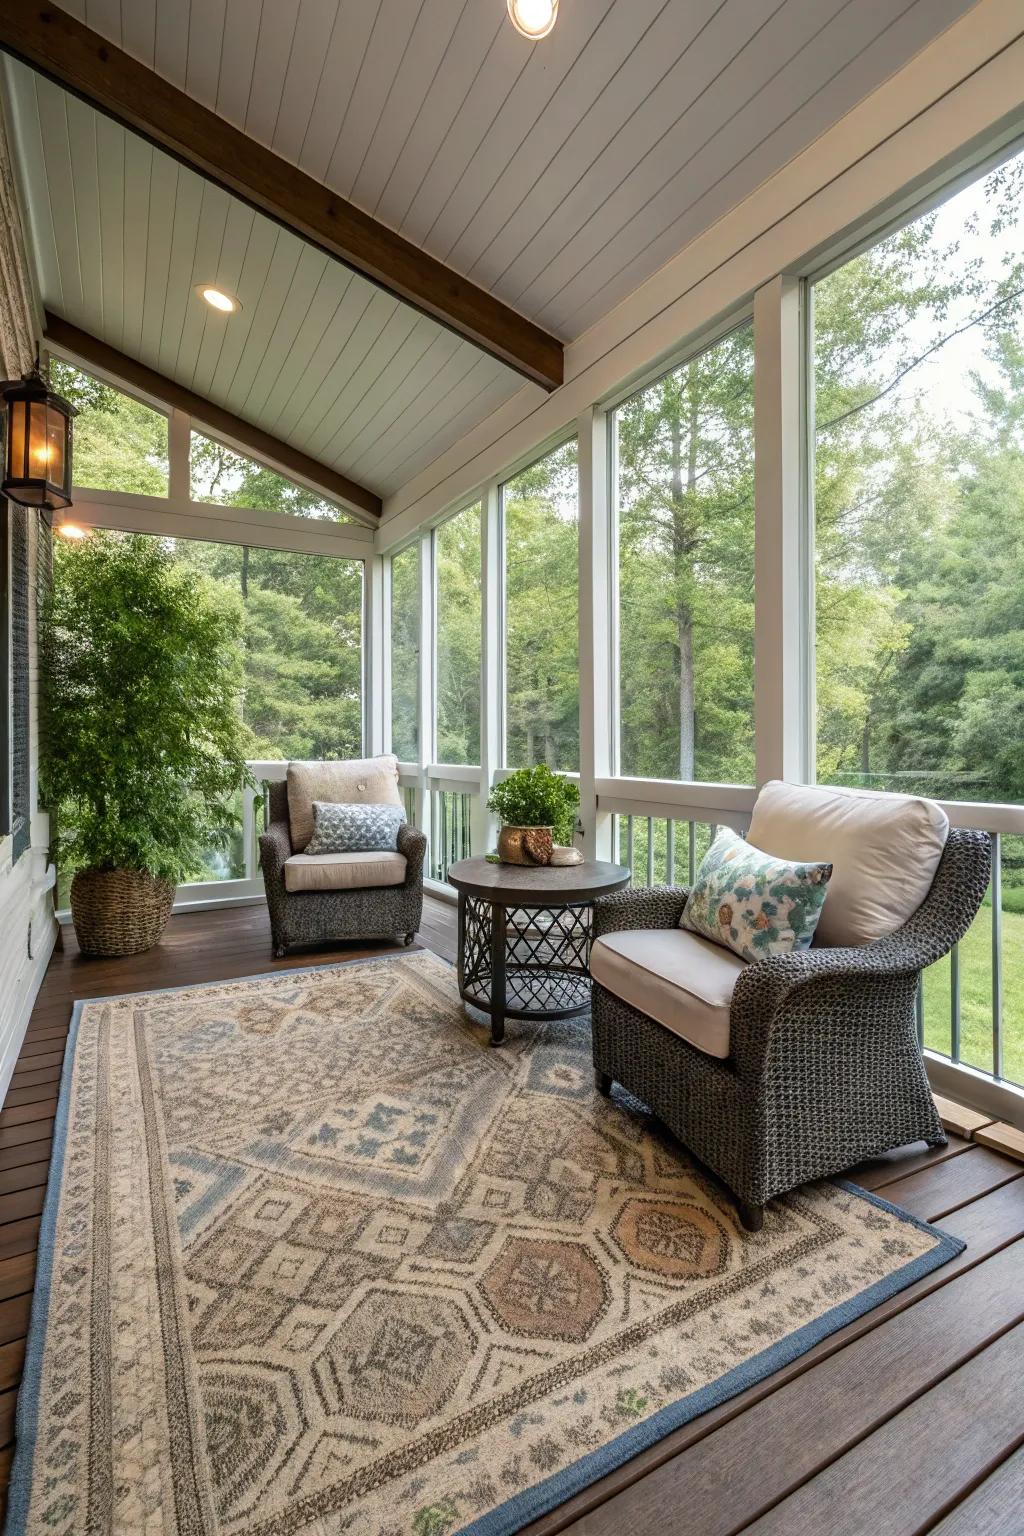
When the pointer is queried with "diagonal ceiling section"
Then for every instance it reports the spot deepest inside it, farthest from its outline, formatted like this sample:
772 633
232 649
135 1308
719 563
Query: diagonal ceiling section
121 234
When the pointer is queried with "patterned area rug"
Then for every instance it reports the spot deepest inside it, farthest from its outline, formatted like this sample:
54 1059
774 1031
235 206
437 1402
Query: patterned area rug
316 1259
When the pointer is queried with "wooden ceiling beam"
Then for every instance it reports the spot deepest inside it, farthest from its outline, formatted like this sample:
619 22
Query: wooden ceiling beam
83 62
90 350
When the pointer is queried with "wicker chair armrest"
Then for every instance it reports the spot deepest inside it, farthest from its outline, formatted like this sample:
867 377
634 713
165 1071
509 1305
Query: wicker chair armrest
275 849
412 844
658 906
764 989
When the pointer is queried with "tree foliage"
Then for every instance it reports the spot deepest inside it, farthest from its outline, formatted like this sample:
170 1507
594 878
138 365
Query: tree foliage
143 744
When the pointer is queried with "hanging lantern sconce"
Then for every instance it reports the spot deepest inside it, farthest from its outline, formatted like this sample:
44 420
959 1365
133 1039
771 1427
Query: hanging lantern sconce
37 453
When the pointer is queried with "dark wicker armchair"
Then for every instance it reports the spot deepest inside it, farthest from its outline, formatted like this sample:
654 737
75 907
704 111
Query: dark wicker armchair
313 917
824 1065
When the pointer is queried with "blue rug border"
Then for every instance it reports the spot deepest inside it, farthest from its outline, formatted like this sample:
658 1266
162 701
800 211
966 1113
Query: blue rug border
508 1518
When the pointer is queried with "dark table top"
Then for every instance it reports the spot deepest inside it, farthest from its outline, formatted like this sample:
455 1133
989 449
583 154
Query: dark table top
537 885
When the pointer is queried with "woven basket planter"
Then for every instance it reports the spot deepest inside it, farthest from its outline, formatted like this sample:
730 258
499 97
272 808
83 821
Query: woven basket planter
119 911
525 845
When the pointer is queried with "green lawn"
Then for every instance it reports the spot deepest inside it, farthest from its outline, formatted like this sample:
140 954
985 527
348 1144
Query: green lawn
976 996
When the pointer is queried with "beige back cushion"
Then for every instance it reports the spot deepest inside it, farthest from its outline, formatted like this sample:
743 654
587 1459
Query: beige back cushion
884 851
356 781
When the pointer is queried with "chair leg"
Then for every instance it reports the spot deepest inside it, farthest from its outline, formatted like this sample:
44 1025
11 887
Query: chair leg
603 1082
408 939
279 951
751 1216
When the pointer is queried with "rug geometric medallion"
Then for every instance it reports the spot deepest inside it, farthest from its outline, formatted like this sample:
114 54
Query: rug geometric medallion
316 1259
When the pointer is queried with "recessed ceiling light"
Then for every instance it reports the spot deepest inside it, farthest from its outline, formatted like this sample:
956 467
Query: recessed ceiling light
533 18
217 298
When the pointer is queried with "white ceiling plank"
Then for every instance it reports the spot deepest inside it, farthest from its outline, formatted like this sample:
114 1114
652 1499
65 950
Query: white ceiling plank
61 190
355 301
350 38
270 66
102 15
642 74
595 69
546 68
138 173
314 32
234 329
227 274
205 41
431 37
82 129
389 43
721 90
170 42
291 367
138 29
485 400
280 276
163 189
39 218
475 37
492 84
363 413
432 417
298 299
890 46
366 333
397 340
209 241
417 381
110 151
188 204
237 58
622 157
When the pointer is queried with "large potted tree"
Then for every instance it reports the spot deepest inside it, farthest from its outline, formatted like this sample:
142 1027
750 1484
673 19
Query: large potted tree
142 743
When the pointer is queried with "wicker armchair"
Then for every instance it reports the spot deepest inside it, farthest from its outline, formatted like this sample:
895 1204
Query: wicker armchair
312 917
824 1065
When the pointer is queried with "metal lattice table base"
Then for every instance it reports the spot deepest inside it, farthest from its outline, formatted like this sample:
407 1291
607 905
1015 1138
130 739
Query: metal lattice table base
524 962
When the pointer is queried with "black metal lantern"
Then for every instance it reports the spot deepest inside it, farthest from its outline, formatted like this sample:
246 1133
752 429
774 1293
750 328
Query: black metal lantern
37 460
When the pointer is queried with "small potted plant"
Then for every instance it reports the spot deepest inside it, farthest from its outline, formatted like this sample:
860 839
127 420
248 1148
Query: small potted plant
537 809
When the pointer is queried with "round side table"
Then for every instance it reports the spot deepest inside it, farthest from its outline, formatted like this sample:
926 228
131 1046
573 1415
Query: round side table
525 935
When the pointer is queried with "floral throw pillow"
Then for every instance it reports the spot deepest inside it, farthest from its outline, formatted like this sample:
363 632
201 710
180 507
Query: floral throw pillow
355 828
752 902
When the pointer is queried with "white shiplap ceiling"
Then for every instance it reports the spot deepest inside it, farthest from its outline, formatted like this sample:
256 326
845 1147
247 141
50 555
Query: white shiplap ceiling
558 175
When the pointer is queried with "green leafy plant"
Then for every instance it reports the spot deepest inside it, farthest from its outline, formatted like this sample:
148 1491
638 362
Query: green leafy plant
536 797
142 747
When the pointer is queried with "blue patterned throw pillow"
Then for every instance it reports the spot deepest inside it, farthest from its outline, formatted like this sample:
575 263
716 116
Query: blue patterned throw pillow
355 828
752 902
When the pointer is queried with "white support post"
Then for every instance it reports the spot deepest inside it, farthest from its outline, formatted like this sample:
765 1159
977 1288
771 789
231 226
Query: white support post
425 690
492 666
376 672
597 628
179 458
783 564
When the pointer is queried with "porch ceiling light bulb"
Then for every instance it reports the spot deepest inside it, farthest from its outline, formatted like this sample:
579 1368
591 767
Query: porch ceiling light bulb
67 529
218 299
533 18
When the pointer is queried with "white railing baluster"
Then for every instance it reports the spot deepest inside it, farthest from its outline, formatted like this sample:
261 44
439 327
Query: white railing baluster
692 865
650 851
630 845
997 955
955 1003
670 852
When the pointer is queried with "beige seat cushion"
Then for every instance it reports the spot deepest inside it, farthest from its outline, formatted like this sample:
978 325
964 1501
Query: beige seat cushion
674 976
354 781
342 871
884 851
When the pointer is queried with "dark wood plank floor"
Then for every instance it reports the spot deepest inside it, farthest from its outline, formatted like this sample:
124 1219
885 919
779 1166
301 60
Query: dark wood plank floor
908 1421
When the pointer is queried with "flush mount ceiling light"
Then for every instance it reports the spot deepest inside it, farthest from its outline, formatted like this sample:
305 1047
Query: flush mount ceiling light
218 298
533 18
